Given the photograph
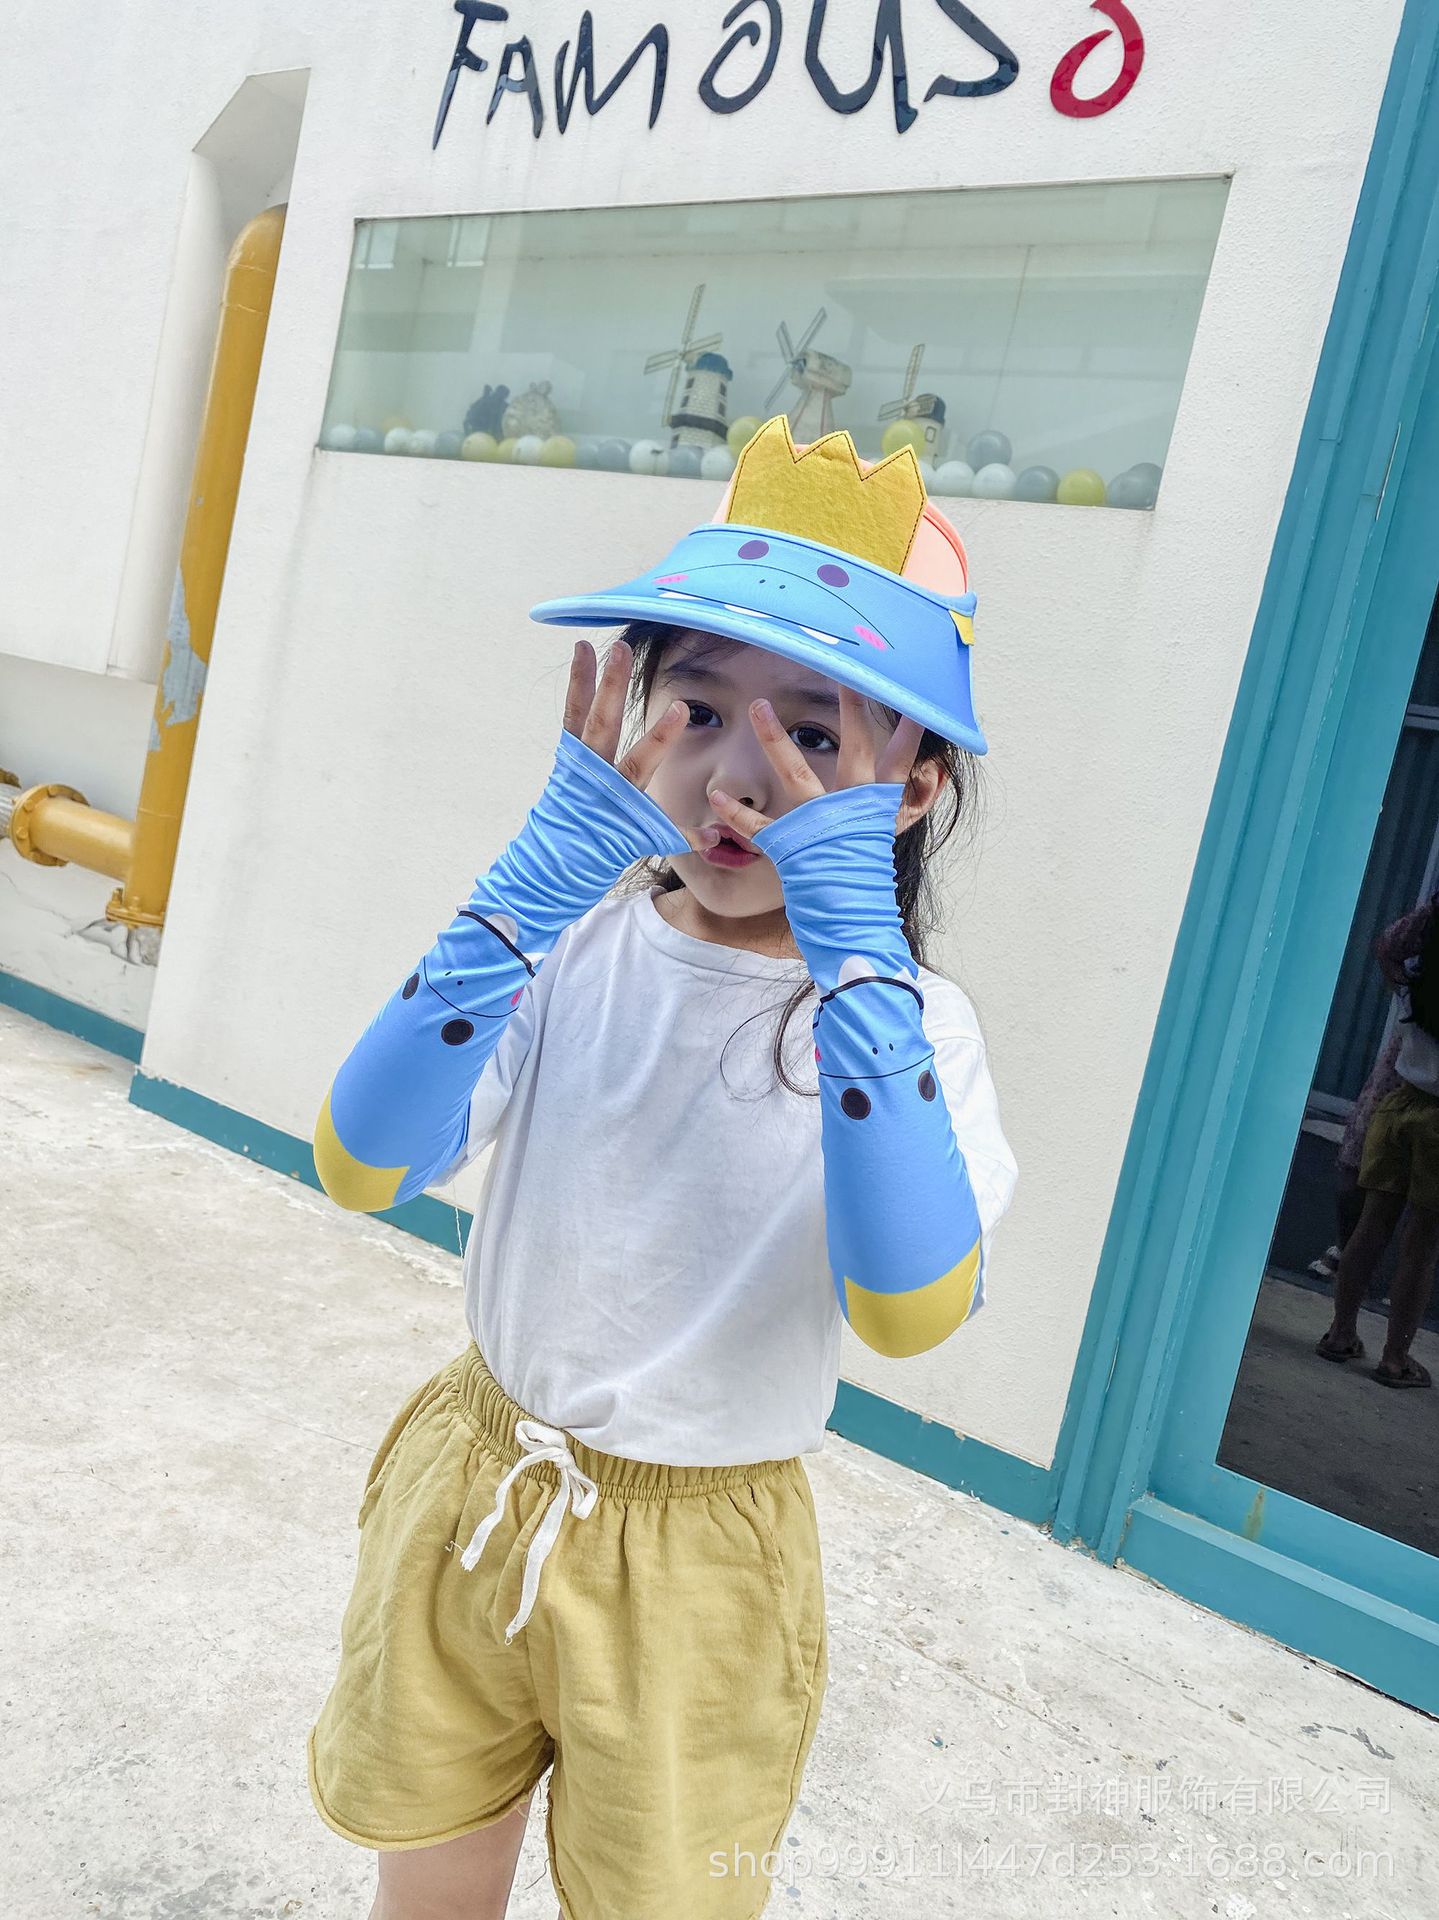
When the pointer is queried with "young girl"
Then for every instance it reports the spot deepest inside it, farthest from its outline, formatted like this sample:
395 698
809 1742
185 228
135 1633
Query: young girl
690 1192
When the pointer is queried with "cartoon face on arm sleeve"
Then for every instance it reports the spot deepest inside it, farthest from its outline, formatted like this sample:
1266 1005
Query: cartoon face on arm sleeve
490 1099
903 1218
961 1063
396 1117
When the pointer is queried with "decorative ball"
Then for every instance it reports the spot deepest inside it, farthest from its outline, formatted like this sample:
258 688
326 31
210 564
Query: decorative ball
989 449
684 462
1081 488
369 440
587 454
615 456
994 482
479 446
718 463
1130 489
339 439
528 448
423 441
647 456
505 449
396 420
1148 470
902 433
448 444
1037 483
558 451
397 440
954 477
741 432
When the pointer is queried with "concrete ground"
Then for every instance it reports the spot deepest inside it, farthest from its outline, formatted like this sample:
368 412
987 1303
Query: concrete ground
1330 1434
200 1358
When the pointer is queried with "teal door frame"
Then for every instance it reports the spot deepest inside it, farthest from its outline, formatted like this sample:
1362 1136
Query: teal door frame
1320 705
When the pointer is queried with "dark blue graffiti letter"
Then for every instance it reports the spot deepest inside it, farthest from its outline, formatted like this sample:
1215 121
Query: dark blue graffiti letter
470 11
1006 70
887 29
732 102
658 37
526 81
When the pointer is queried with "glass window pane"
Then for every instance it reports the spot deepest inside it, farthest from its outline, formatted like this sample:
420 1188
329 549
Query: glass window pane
1029 342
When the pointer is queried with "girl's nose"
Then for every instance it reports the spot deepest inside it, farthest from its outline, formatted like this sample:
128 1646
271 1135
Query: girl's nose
741 767
745 799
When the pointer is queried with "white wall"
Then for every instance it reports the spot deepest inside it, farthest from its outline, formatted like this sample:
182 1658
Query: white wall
380 712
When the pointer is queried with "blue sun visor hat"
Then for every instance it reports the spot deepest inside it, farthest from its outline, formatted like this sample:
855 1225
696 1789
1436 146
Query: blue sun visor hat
843 568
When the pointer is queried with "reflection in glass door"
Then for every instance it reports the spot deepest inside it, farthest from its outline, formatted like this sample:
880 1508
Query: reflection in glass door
1357 1234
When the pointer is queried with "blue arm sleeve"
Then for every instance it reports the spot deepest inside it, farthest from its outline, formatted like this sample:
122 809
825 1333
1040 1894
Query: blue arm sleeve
395 1116
902 1225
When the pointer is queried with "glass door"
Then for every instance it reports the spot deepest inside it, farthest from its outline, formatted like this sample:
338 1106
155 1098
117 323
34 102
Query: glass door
1264 1436
1288 1104
1320 1426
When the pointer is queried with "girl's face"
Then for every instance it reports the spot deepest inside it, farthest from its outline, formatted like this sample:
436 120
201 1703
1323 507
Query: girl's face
717 678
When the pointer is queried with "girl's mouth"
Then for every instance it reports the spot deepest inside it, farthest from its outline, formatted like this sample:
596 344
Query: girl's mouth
727 854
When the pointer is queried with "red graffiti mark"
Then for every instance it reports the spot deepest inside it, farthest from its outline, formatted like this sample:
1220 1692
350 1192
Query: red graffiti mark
1061 88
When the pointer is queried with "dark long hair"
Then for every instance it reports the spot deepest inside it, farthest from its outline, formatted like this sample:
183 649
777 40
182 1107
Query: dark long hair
914 848
1424 987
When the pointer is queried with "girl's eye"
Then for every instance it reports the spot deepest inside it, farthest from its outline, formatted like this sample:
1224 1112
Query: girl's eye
821 740
827 742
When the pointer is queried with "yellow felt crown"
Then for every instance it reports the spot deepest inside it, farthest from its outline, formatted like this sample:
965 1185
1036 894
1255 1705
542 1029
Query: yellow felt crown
823 494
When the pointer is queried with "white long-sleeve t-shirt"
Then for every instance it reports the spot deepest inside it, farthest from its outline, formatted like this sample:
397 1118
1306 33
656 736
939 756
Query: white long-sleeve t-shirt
647 1268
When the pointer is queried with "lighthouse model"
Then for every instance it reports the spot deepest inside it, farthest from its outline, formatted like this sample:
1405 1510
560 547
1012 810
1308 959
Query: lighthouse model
702 416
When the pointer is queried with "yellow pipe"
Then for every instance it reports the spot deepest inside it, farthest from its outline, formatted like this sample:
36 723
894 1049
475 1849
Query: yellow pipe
51 824
73 830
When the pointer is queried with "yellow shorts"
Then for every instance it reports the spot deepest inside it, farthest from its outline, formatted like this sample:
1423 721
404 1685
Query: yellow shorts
1401 1148
657 1633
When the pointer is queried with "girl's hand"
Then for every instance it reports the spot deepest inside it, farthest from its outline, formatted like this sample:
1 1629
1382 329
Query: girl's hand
798 779
596 716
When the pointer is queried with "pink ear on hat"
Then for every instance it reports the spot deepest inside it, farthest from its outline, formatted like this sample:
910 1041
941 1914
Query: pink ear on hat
936 561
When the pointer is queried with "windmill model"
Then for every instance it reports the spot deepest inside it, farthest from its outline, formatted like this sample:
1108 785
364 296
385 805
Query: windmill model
925 409
819 377
688 349
702 419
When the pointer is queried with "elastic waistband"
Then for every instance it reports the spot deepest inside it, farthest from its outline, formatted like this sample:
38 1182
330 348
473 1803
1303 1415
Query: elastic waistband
493 1414
1420 1094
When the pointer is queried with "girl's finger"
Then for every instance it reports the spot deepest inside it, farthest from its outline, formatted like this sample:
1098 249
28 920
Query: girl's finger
644 756
745 820
579 697
784 756
602 728
856 739
896 762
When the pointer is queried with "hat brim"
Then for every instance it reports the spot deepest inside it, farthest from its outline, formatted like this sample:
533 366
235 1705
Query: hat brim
640 599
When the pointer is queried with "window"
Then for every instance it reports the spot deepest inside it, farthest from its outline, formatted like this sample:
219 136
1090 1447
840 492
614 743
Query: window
1029 342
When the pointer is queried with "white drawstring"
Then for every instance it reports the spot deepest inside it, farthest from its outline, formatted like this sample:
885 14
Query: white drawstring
576 1490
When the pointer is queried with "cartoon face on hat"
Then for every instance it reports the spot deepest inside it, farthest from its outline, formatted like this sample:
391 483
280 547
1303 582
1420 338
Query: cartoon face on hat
843 567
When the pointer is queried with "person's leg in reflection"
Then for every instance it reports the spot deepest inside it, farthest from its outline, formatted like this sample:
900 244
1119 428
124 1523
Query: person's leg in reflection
1384 1175
1362 1252
1348 1205
1413 1282
1348 1192
1418 1249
